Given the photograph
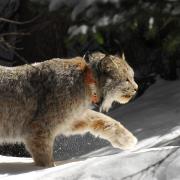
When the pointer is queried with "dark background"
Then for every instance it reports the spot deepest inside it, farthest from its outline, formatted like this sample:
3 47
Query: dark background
148 32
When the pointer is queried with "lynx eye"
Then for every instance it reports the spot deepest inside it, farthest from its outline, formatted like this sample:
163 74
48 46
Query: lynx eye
127 80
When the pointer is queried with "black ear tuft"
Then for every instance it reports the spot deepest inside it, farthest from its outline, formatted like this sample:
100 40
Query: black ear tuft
86 57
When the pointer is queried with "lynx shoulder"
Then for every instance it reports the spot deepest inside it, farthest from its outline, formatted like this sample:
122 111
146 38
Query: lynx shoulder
41 100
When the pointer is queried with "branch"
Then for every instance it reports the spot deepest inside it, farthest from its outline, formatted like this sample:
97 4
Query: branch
18 22
14 34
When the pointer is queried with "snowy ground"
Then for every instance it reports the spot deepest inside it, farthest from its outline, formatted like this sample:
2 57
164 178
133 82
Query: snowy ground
153 118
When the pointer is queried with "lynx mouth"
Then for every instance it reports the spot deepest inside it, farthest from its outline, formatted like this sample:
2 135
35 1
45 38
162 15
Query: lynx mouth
125 99
127 96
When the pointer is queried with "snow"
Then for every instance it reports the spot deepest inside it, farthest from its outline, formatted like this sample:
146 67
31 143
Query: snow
153 118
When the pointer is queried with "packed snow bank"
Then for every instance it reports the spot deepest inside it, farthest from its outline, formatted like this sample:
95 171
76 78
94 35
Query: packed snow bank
153 118
154 163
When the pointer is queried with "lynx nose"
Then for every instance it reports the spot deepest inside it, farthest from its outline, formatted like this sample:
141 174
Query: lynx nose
135 87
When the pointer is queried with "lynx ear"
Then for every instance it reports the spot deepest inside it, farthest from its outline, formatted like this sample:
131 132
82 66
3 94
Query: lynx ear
96 56
107 64
123 56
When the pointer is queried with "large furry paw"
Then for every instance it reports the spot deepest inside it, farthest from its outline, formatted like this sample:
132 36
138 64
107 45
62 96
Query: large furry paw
44 164
122 138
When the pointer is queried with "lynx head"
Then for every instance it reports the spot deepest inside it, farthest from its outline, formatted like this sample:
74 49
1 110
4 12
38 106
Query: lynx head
116 79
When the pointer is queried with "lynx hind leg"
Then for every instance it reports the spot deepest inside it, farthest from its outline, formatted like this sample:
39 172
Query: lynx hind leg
40 146
105 127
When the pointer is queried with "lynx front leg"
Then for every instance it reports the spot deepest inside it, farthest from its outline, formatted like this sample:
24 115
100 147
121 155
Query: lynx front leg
105 127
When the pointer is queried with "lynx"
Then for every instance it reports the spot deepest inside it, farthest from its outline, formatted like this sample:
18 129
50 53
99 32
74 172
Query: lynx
42 100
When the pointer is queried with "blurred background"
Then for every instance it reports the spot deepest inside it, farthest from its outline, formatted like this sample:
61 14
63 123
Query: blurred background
148 32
